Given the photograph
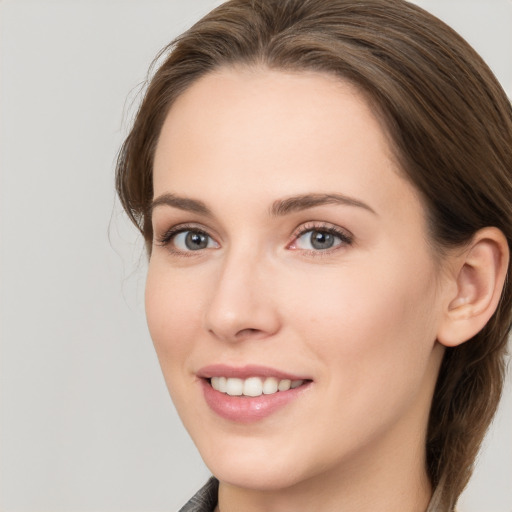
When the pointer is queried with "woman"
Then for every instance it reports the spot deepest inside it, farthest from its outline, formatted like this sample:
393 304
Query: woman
324 187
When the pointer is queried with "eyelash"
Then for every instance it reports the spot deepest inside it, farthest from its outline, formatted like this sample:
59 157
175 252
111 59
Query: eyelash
165 239
345 237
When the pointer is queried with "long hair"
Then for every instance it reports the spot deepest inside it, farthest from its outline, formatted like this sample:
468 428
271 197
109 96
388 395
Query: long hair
450 126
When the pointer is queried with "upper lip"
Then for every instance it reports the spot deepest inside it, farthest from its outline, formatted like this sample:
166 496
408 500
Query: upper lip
244 372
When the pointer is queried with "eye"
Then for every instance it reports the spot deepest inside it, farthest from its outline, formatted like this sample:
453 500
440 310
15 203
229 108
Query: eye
320 238
186 240
192 241
317 240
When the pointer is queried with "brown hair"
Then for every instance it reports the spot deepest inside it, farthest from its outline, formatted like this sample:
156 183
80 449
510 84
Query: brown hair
450 124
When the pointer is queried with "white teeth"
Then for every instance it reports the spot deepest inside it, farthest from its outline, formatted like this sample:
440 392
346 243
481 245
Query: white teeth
284 385
215 383
219 383
270 386
222 384
253 386
234 387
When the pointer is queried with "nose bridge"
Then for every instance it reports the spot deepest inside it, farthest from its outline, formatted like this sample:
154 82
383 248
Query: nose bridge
240 305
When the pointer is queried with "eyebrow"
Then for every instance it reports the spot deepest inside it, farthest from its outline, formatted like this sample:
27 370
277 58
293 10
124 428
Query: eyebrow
305 201
182 203
279 208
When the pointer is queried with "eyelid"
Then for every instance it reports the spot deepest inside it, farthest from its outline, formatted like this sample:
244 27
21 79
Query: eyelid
164 239
346 237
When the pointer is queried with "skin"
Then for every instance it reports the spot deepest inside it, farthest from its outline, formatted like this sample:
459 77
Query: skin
360 319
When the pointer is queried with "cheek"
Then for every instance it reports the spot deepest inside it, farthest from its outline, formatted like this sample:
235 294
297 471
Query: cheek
173 315
375 326
374 337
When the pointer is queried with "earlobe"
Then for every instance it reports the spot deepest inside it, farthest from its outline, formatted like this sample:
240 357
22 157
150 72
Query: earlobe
479 275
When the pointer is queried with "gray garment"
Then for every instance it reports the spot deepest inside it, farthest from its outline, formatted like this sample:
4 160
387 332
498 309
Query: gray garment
205 500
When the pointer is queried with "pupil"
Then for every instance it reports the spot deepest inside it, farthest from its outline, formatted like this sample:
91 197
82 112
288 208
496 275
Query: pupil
321 240
195 241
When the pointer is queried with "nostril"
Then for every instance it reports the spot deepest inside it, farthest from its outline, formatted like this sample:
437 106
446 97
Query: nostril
246 333
241 318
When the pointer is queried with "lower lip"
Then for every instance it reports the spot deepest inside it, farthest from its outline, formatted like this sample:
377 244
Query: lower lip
244 409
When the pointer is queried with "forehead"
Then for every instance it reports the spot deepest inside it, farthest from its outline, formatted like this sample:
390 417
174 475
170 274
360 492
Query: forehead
283 133
256 99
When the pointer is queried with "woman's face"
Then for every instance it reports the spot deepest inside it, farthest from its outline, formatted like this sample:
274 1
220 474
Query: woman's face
287 247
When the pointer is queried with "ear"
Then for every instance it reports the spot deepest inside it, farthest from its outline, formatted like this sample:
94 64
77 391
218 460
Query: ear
479 275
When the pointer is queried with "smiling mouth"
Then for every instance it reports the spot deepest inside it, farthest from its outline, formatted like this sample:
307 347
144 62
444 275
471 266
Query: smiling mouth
253 386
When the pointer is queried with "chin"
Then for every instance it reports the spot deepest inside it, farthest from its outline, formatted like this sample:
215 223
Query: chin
259 477
257 464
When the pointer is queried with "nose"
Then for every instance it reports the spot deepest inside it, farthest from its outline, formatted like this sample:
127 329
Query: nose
242 304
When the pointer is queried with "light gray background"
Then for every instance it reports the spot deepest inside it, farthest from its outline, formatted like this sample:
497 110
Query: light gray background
86 422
